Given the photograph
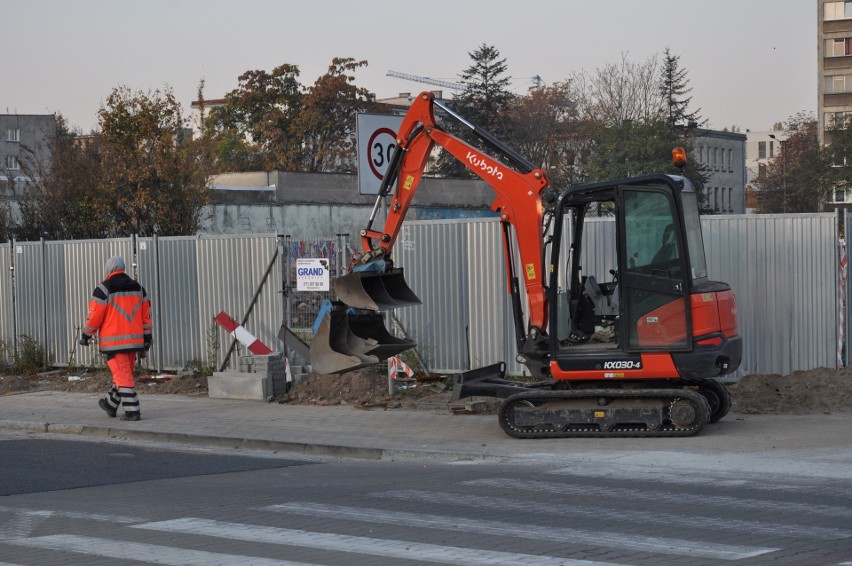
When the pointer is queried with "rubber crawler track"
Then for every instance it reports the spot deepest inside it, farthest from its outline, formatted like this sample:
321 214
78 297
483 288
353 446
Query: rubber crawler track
666 398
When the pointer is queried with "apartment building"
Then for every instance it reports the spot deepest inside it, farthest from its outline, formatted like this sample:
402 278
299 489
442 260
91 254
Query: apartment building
723 154
835 65
24 140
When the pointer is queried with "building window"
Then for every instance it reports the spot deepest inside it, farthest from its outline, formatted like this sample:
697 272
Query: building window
838 83
13 135
838 10
837 120
12 162
730 160
761 150
841 47
701 154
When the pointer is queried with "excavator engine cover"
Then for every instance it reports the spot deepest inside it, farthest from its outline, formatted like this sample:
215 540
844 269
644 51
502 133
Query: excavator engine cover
375 291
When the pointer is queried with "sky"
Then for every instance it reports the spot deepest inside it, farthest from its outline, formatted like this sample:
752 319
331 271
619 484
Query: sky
750 63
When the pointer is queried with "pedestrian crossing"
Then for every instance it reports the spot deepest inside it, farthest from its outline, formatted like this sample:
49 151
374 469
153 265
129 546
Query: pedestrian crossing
484 521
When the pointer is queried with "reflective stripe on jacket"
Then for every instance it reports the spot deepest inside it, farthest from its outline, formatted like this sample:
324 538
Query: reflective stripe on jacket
120 312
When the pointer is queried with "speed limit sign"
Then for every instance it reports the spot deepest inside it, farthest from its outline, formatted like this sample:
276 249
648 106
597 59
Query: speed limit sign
376 144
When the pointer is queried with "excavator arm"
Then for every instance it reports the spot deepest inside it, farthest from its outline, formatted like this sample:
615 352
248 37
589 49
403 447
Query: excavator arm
518 188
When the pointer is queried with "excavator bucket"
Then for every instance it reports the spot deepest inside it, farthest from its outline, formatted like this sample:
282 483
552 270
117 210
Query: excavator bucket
335 349
371 328
346 342
375 291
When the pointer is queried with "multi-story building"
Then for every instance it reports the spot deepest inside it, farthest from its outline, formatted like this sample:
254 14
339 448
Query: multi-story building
723 154
835 65
25 141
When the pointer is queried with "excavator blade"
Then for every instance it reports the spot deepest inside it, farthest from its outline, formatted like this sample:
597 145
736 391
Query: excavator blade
335 349
371 328
375 291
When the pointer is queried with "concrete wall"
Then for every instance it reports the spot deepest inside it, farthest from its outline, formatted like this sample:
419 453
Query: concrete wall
314 205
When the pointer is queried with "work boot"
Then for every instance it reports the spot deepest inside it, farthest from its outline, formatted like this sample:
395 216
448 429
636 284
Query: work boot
131 417
102 403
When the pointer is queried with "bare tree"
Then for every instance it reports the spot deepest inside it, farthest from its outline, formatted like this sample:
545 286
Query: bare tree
622 92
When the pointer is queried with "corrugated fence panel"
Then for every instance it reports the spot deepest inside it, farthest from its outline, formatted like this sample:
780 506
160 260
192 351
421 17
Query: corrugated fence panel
230 271
59 341
84 270
168 271
783 270
599 249
434 256
29 291
6 318
492 337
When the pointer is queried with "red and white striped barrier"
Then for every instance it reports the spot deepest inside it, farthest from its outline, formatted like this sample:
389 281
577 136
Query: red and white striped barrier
396 365
239 332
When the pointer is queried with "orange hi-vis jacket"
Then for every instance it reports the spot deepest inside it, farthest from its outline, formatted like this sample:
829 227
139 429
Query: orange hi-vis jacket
120 312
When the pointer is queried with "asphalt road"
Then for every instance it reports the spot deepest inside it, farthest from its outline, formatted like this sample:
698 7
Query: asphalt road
72 501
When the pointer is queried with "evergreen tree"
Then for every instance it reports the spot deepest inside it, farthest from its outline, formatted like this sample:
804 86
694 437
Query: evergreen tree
483 102
674 88
486 89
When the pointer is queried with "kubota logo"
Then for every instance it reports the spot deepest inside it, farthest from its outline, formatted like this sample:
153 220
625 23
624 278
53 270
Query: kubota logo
478 162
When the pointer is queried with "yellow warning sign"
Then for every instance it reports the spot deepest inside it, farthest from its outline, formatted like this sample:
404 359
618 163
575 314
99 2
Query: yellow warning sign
409 181
530 271
600 414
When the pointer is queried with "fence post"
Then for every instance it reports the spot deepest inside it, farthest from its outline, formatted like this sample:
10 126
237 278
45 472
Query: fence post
285 281
14 301
43 248
158 334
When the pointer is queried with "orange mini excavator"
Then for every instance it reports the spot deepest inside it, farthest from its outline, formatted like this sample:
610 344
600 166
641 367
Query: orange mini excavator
627 349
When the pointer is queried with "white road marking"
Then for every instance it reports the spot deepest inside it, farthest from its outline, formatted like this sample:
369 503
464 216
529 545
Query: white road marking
151 553
658 545
703 501
614 515
433 553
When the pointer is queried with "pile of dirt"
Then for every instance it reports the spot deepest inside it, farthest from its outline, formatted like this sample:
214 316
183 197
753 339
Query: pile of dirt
815 391
366 388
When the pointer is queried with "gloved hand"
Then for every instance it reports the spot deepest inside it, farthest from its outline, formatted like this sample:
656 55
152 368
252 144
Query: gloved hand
143 354
84 339
148 341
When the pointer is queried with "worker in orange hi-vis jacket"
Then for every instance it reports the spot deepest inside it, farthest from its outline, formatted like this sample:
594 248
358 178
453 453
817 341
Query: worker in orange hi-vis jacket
120 313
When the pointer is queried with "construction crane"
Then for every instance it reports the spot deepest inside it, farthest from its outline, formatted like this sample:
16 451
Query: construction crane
425 80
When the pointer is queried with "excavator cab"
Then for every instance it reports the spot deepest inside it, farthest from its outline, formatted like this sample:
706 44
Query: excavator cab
656 315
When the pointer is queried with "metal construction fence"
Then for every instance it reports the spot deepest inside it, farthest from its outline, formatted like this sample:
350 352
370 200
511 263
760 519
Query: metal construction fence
786 271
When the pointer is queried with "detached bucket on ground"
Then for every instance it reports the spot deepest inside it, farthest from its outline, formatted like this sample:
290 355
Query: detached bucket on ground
346 342
335 349
375 291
